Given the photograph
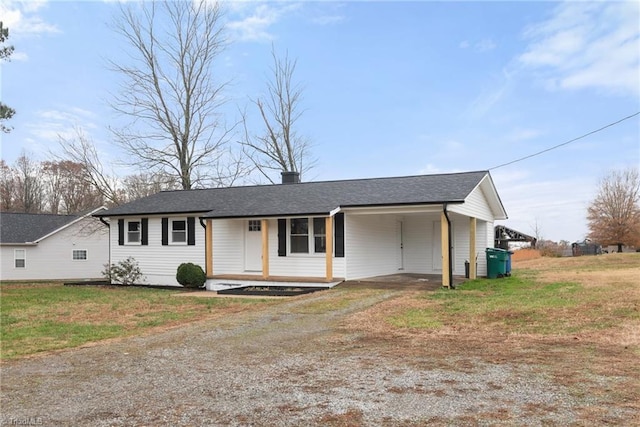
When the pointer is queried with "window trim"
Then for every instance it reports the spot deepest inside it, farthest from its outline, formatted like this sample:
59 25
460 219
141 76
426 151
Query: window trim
311 238
170 231
254 225
291 235
126 232
86 255
24 258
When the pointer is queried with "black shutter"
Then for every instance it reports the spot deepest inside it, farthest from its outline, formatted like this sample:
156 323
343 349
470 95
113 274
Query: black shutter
282 237
121 232
339 234
144 225
191 231
165 231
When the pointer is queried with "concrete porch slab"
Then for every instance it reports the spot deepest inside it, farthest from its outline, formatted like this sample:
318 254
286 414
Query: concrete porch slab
221 284
406 281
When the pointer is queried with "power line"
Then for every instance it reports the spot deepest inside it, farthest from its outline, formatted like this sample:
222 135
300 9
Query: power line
565 143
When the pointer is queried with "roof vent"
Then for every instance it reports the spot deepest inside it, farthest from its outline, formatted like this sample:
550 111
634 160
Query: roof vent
290 177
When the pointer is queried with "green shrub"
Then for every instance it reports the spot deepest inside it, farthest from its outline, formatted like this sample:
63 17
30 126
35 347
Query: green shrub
126 272
190 275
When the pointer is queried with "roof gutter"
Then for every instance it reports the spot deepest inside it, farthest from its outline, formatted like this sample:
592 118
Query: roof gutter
450 266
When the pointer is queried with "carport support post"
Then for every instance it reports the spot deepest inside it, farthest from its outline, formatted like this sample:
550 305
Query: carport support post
329 247
472 248
208 248
264 226
444 239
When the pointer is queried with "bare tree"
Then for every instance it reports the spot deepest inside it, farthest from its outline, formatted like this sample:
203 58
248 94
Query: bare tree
67 189
53 182
29 185
614 215
81 150
279 147
169 92
146 184
7 187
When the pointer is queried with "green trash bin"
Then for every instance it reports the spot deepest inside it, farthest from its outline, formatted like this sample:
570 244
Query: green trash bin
496 262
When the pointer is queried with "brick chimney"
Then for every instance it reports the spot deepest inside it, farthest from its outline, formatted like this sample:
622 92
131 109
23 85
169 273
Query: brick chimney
290 177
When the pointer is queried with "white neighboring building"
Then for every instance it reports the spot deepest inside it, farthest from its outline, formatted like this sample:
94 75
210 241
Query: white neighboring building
52 247
321 232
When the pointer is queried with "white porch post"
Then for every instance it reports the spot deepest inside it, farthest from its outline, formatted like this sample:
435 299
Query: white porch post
264 226
472 248
208 248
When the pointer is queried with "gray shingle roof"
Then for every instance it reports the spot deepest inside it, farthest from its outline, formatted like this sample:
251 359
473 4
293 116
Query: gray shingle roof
306 198
23 227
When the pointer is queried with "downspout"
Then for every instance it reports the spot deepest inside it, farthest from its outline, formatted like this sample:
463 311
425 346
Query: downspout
450 266
109 239
202 222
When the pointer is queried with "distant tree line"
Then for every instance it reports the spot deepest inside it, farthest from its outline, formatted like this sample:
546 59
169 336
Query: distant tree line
66 187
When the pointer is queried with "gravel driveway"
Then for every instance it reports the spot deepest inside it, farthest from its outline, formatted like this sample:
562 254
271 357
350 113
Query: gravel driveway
278 366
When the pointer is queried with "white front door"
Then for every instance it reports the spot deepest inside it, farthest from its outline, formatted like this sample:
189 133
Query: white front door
253 245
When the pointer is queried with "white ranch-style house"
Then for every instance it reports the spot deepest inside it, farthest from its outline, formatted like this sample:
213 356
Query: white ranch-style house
52 247
321 232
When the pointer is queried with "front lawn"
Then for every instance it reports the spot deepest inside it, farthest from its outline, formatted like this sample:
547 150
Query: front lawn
41 317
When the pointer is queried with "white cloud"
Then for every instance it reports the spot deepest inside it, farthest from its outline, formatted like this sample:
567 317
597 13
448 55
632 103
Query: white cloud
51 125
483 103
328 19
481 46
256 19
485 45
22 19
587 45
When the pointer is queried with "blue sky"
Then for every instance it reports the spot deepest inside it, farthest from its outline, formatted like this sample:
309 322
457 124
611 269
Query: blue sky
391 88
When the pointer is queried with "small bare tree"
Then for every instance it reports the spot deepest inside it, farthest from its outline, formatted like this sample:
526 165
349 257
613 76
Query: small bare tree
81 150
279 147
169 92
614 215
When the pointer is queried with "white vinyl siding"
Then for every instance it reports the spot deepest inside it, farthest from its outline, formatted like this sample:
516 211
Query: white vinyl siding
228 246
158 263
475 205
370 245
418 243
52 259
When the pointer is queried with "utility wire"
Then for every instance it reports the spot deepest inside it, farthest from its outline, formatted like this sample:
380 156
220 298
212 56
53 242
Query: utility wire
565 143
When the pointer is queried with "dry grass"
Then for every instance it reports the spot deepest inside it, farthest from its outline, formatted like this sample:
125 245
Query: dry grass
576 319
42 317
